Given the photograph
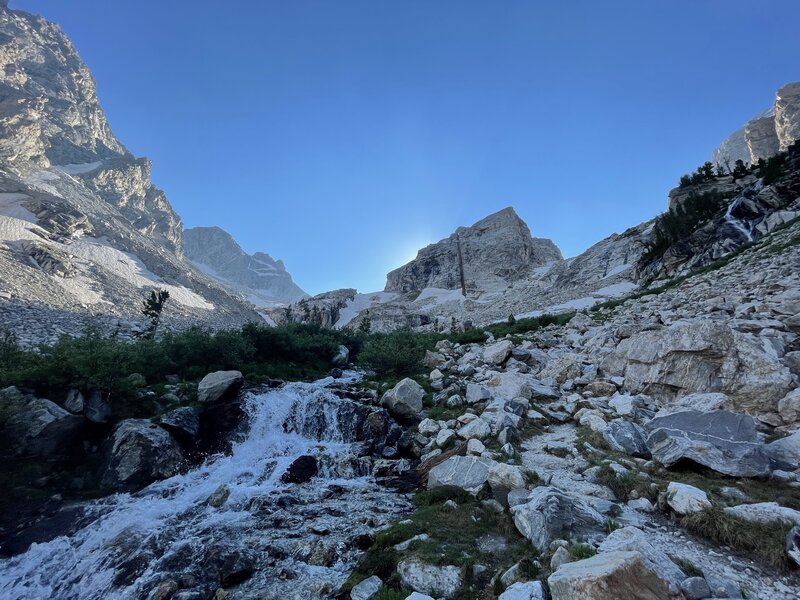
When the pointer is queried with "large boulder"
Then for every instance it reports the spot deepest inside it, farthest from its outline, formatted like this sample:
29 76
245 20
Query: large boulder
219 385
405 399
31 426
476 429
627 437
139 452
720 440
686 499
631 539
765 512
183 423
548 514
302 469
785 452
440 582
469 473
498 353
701 355
789 407
367 589
608 576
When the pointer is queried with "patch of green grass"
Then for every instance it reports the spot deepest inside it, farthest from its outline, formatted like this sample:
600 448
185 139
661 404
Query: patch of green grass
580 551
453 538
763 542
389 593
687 567
610 526
444 413
622 485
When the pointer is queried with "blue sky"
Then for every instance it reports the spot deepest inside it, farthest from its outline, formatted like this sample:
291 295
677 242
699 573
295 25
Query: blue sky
342 135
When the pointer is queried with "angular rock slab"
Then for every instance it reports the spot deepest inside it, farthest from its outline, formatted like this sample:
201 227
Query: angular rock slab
549 514
607 576
215 386
627 437
441 582
405 399
529 590
631 539
724 441
469 473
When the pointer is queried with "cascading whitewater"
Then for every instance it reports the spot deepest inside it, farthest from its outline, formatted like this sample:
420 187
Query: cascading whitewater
269 536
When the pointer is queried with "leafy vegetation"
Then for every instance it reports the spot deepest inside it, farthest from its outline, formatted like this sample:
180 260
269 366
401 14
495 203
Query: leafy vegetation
682 221
106 363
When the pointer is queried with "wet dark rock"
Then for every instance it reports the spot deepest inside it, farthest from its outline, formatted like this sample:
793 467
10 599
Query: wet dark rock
36 426
183 423
139 452
301 470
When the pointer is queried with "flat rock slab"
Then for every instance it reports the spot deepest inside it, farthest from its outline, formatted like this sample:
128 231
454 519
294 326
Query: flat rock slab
724 441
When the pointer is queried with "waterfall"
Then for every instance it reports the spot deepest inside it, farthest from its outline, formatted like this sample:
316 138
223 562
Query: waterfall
736 223
128 544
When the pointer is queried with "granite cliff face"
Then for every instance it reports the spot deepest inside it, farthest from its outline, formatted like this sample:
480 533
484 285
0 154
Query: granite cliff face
261 279
492 253
766 134
84 233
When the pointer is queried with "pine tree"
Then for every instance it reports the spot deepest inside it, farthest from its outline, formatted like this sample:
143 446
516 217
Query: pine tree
152 306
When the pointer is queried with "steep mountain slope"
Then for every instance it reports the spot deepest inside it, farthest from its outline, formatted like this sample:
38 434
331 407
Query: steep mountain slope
259 278
84 233
764 135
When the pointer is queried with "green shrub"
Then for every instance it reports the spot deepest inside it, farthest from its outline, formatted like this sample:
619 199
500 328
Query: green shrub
397 354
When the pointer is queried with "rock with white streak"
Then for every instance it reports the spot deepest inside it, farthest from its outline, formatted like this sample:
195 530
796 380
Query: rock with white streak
470 473
442 582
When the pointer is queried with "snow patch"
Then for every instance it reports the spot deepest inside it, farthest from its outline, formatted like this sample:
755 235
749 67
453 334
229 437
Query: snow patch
131 268
11 206
617 270
360 303
437 296
39 181
79 168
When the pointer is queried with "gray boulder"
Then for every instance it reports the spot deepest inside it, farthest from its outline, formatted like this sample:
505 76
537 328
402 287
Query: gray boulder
686 499
183 423
342 357
550 514
609 575
218 385
405 399
720 440
695 588
441 582
139 452
524 590
469 473
32 426
74 402
785 452
701 355
765 512
367 589
97 408
627 437
793 545
498 353
632 539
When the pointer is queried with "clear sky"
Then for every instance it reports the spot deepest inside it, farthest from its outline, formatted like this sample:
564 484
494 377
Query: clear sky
343 135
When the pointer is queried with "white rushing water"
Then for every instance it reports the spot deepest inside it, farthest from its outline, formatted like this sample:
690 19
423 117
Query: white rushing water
132 542
736 223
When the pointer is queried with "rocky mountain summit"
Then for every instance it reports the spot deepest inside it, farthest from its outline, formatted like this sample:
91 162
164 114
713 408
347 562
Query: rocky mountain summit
262 280
84 233
495 251
763 136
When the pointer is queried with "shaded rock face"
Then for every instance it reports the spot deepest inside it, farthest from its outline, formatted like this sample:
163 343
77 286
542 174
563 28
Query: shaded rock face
787 114
261 279
720 440
494 251
139 452
36 426
218 386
